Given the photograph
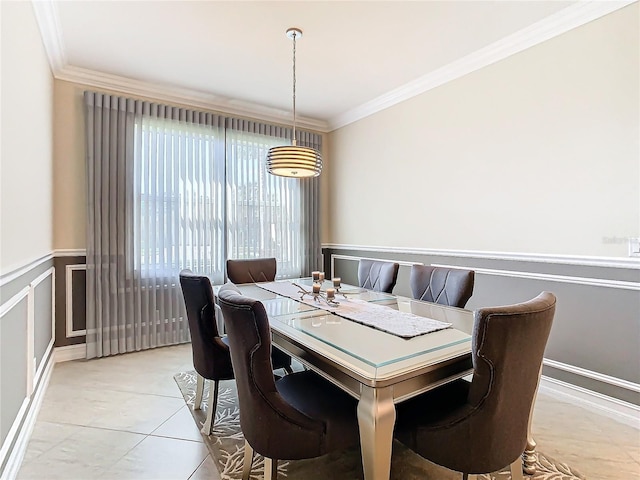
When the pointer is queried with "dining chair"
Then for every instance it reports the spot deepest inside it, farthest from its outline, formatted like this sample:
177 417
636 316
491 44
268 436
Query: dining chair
258 270
481 426
251 270
211 357
298 416
377 276
210 350
446 286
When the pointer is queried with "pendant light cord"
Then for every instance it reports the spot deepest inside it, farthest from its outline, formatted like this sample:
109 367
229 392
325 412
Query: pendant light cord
294 88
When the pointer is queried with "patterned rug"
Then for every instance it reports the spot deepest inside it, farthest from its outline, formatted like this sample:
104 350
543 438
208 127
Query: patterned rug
226 446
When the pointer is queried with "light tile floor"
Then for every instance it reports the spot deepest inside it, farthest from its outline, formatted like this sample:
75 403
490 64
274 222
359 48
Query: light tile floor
123 417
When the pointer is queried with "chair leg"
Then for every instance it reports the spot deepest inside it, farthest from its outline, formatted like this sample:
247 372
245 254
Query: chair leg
248 460
516 469
197 402
270 469
213 405
289 370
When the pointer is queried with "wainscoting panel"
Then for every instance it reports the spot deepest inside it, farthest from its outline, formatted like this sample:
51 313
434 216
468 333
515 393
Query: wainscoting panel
44 317
70 300
595 339
13 367
26 346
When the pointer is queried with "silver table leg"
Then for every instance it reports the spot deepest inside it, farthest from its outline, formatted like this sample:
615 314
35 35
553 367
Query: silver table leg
376 418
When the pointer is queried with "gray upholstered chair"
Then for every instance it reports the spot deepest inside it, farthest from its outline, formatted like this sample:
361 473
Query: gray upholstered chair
481 426
377 276
298 416
251 270
446 286
211 357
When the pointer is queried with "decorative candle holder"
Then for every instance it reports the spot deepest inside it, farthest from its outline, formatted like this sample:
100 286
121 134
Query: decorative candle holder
337 284
318 295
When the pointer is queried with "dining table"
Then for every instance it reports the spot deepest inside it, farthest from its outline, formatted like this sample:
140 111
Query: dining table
358 340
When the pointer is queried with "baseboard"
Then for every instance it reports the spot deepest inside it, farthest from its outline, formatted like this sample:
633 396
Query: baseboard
70 352
618 410
24 433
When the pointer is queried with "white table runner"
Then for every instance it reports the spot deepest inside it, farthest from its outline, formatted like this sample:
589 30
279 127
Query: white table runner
401 324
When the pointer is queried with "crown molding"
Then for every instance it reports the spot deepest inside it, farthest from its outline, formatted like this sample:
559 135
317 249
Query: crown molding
545 29
51 33
47 18
192 98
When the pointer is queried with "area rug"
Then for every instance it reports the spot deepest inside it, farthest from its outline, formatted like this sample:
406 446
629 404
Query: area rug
226 445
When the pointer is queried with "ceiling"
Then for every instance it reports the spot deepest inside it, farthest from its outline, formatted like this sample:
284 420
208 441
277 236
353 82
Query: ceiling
354 57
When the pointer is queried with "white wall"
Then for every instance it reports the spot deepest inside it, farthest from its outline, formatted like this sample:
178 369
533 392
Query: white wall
26 208
538 153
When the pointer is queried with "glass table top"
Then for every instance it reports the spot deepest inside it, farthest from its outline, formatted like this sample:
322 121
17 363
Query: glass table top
373 351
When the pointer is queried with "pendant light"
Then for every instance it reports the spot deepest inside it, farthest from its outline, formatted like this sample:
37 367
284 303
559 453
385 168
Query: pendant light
292 160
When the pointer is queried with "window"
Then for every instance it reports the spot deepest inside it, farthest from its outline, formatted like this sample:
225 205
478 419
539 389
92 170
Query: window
204 195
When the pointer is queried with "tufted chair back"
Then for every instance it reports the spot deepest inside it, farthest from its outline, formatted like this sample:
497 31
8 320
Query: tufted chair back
377 276
251 270
446 286
482 426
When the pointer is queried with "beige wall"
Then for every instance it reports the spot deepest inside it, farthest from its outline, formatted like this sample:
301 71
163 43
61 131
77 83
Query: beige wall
26 208
538 153
70 192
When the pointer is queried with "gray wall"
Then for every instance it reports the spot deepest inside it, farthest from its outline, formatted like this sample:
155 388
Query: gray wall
26 345
597 322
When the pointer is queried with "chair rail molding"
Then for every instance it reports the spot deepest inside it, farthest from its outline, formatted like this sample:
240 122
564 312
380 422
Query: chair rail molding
16 271
70 252
580 260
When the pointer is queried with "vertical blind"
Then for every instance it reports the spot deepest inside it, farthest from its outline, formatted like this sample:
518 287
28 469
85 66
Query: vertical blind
171 188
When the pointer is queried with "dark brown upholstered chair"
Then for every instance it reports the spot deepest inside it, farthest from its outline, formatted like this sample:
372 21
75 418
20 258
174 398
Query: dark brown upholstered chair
446 286
211 357
377 276
298 416
251 270
481 426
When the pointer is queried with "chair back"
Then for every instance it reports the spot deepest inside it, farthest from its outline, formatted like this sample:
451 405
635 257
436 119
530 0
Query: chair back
251 270
508 347
446 286
272 426
210 355
377 276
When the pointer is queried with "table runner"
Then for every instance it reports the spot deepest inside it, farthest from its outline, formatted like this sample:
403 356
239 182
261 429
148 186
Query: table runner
401 324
